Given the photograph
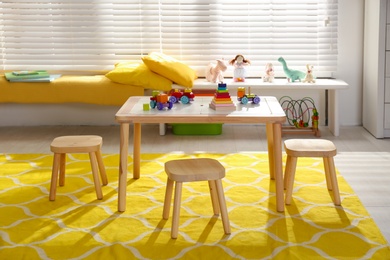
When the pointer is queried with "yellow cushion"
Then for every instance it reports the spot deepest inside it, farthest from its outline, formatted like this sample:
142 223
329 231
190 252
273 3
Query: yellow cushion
138 74
170 68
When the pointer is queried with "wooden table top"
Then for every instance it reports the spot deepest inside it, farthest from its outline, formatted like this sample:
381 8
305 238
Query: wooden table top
198 111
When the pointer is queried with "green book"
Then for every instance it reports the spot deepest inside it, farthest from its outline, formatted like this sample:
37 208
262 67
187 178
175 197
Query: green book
27 75
50 78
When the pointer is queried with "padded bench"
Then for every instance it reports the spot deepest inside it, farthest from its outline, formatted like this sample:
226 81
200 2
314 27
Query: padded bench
94 89
94 99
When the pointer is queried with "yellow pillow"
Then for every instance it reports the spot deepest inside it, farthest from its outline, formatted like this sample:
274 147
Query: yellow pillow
170 68
137 74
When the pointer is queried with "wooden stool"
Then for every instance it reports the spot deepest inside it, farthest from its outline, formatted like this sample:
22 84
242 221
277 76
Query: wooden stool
310 148
188 170
77 144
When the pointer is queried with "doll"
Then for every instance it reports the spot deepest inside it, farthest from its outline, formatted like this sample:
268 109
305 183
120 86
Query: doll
239 63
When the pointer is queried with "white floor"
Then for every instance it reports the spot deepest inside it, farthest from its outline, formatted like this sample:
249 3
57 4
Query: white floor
363 160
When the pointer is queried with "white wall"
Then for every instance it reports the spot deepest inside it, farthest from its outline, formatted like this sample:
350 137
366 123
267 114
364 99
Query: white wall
350 60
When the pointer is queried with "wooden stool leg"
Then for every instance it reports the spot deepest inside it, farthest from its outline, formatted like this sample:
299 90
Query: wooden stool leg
214 197
222 206
291 175
327 173
62 168
176 210
54 176
287 171
95 174
168 199
102 169
333 178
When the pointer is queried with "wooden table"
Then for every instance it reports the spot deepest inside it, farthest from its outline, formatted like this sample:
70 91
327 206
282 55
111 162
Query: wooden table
268 111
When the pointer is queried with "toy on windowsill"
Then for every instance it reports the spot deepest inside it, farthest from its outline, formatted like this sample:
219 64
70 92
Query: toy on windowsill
245 98
292 75
269 73
183 96
239 63
160 100
309 74
214 72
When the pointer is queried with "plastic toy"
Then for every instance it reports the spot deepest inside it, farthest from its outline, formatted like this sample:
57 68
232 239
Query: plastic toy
184 97
269 73
309 74
292 75
160 101
222 99
298 113
214 72
245 98
239 63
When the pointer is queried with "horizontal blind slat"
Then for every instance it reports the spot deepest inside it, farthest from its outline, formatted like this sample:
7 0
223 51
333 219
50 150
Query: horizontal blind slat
91 34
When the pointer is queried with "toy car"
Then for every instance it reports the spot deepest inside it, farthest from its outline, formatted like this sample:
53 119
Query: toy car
184 97
160 101
245 98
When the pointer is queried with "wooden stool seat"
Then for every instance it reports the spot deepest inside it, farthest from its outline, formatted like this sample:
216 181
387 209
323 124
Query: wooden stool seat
189 170
90 144
296 148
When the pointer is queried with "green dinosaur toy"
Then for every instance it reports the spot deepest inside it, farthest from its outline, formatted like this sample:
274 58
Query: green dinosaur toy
292 75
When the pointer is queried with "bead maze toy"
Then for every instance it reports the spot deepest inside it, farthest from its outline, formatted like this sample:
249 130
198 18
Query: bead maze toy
299 113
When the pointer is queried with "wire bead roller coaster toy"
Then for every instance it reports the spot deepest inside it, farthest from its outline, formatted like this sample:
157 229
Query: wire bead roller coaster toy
299 113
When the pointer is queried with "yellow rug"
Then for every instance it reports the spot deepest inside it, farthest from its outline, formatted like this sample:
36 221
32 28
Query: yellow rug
77 226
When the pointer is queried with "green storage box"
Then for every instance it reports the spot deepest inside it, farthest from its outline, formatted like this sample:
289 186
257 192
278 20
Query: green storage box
197 129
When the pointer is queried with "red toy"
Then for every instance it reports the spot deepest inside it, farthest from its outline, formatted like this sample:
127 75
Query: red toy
184 97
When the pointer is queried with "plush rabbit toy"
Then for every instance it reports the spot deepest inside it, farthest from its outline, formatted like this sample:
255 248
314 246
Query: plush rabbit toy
269 73
214 71
309 74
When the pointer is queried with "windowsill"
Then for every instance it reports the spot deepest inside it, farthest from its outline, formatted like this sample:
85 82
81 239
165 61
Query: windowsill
202 83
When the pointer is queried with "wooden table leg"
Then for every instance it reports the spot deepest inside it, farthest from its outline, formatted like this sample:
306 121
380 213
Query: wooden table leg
278 166
270 141
123 153
137 151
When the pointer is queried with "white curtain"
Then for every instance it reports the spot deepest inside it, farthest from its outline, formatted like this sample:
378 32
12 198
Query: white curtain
96 34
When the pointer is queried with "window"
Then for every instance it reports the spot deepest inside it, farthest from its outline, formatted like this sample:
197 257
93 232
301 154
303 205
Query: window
95 34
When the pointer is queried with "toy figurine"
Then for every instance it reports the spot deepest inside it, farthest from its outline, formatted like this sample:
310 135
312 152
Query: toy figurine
292 75
269 73
214 71
244 98
309 74
239 63
160 100
183 96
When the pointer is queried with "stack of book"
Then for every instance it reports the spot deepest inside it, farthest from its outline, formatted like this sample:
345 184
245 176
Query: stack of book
222 99
30 76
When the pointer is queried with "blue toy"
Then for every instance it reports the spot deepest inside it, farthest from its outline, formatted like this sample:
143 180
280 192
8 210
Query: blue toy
292 75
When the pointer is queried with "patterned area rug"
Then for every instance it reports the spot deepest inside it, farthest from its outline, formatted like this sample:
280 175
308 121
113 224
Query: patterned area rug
78 226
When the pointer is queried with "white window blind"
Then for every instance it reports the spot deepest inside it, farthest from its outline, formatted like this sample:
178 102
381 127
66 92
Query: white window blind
95 34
